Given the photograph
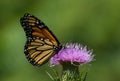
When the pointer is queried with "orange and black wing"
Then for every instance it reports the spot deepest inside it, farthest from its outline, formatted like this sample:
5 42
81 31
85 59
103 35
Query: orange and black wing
41 43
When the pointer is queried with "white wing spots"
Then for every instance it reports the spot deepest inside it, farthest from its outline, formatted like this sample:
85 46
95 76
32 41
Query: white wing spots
41 39
41 26
37 21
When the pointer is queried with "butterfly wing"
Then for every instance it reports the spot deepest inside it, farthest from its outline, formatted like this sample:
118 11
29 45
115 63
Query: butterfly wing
41 43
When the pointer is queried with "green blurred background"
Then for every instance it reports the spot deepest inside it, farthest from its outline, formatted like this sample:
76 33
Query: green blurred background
95 23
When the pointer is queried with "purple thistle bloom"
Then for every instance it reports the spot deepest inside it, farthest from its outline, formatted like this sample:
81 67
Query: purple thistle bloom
72 53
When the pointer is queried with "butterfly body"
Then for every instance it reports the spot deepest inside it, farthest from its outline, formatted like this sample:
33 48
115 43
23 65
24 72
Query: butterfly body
41 43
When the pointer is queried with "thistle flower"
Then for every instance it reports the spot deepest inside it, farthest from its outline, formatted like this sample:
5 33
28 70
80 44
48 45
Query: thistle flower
70 57
72 53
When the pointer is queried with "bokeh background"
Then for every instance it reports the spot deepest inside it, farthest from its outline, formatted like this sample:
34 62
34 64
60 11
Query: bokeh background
95 23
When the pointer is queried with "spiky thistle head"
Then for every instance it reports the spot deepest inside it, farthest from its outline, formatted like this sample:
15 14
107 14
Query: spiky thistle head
72 53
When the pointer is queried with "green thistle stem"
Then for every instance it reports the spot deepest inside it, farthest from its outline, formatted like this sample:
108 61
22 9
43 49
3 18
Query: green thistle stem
70 72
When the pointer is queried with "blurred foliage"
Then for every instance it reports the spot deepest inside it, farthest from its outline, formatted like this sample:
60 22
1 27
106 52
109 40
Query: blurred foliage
95 23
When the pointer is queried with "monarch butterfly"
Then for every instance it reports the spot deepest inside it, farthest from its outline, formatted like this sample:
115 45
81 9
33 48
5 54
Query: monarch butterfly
41 43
